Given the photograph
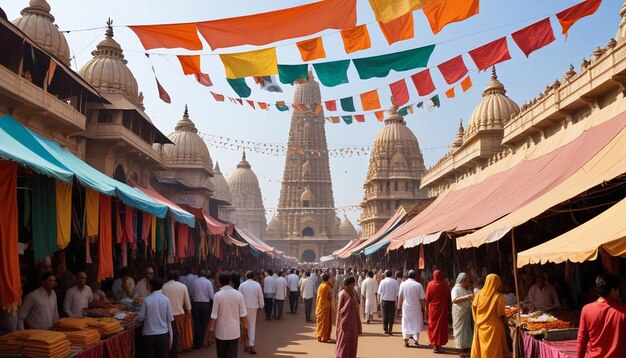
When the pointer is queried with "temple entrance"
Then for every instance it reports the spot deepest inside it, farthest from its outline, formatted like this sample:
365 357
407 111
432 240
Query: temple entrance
308 256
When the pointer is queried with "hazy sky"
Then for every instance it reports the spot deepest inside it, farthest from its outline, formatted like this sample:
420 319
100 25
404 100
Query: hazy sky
523 77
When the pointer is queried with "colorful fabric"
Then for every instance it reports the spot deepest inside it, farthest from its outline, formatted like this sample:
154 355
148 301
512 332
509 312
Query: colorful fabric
446 12
92 206
398 29
348 322
217 97
312 49
450 93
533 37
568 17
347 119
239 86
332 73
466 83
331 105
105 240
163 95
334 120
153 233
380 66
323 312
387 10
282 107
347 104
356 39
190 64
129 224
437 299
288 74
462 322
453 70
268 27
159 235
399 92
487 309
359 118
44 222
64 213
380 115
119 231
423 82
370 100
251 63
203 79
10 284
490 54
602 329
184 330
168 36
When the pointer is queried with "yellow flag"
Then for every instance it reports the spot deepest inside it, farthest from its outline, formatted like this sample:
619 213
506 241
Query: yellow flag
387 10
252 63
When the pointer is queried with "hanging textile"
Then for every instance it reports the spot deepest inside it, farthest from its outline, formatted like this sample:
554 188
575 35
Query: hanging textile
404 111
490 54
356 39
466 83
203 79
347 119
433 103
379 66
251 63
568 17
288 74
359 118
380 115
534 37
146 225
280 105
331 105
387 10
398 29
446 12
92 203
334 120
347 104
190 64
423 83
263 105
400 93
312 49
268 27
163 95
171 250
168 36
453 70
105 240
333 73
183 240
64 212
44 222
251 103
160 230
217 97
450 93
153 232
129 222
370 100
10 284
239 86
119 232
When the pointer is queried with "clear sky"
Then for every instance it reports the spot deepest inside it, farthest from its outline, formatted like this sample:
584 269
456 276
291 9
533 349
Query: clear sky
523 77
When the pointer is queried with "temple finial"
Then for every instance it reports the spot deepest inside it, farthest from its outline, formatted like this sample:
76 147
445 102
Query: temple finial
494 75
109 30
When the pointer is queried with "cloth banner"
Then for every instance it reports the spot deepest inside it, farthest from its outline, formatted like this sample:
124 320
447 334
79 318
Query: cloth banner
105 240
44 216
288 74
387 10
10 284
453 70
280 105
370 100
239 86
331 105
534 37
490 54
399 29
359 118
333 73
334 120
251 63
400 93
568 17
64 212
251 103
446 12
203 79
356 39
347 119
380 115
312 49
423 82
217 97
168 36
380 66
347 104
190 64
92 209
466 83
450 93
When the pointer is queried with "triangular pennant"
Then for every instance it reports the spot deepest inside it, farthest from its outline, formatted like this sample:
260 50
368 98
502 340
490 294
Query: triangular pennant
380 115
251 103
203 79
163 95
218 97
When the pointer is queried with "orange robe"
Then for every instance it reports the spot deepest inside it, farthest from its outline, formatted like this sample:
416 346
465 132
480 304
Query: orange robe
488 308
323 311
185 333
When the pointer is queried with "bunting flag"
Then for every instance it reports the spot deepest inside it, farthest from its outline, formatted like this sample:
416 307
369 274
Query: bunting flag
433 103
203 79
370 100
263 105
312 49
268 27
318 109
347 104
380 66
333 73
217 97
288 74
490 54
570 16
387 10
297 107
442 13
252 63
450 93
240 101
356 39
347 119
168 36
334 119
399 29
51 70
404 111
534 37
163 95
380 115
400 93
239 86
190 64
281 106
453 70
359 118
466 83
268 83
331 105
251 103
423 83
410 108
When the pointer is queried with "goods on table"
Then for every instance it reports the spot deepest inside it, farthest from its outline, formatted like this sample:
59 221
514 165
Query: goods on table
70 324
511 311
12 344
83 338
101 312
106 326
101 304
46 344
553 324
129 319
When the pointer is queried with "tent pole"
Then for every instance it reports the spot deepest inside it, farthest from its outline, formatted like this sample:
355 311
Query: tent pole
517 293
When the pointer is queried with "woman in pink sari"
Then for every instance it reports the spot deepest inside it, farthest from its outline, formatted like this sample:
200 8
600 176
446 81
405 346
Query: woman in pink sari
348 321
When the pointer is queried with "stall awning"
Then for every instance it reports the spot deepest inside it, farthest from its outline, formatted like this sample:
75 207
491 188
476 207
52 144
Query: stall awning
177 212
350 244
422 240
255 242
389 226
229 240
516 180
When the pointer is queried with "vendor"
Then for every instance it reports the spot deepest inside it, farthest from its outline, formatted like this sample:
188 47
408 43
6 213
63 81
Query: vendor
542 295
142 289
124 286
96 290
77 297
39 309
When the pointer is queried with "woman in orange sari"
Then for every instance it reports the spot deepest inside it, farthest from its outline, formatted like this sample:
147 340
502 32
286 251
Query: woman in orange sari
348 320
324 309
489 321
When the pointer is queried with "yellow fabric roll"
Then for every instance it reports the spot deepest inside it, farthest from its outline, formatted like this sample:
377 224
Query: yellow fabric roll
64 213
92 210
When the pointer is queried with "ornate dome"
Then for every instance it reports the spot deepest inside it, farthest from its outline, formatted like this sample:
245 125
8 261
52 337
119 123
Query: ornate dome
38 24
243 178
221 190
107 70
346 229
494 110
188 147
395 129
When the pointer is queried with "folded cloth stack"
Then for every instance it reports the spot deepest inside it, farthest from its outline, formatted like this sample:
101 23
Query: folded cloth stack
12 344
106 326
70 324
82 339
46 344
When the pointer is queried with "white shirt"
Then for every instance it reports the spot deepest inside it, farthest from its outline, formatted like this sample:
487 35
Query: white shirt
142 290
388 289
543 299
412 292
188 281
268 285
177 293
308 287
118 291
38 310
75 300
369 288
252 294
228 308
280 288
202 290
292 280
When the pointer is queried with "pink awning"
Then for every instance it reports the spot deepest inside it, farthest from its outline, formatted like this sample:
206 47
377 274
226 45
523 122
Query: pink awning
384 230
179 214
215 226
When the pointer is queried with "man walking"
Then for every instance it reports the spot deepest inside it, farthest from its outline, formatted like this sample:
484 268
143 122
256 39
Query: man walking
307 295
201 312
369 291
412 299
294 292
177 293
268 294
388 294
253 299
280 293
156 315
228 319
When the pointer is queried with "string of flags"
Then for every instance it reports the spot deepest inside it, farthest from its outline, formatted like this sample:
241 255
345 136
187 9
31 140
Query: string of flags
343 208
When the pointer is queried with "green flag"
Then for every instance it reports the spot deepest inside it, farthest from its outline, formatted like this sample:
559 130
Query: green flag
379 66
240 87
347 104
347 119
287 74
332 73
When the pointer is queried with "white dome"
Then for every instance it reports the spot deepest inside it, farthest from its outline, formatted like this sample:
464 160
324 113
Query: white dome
243 178
222 191
395 130
188 147
347 229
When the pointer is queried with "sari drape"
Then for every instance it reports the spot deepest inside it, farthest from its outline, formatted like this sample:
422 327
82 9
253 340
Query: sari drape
487 308
348 321
323 312
437 298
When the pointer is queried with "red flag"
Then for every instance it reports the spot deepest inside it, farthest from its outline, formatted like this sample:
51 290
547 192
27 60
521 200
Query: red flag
399 92
203 79
359 118
453 70
380 115
163 93
331 105
251 103
398 29
534 37
466 83
568 17
218 97
239 100
423 82
490 54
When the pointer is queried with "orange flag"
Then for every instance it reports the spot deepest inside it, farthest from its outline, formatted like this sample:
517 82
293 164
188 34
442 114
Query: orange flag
312 49
446 12
218 97
466 83
399 29
387 10
334 120
263 105
450 93
297 107
380 115
370 100
190 64
168 36
359 118
356 39
568 17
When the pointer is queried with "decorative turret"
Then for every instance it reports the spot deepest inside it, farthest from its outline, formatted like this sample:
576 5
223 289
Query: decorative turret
458 140
621 33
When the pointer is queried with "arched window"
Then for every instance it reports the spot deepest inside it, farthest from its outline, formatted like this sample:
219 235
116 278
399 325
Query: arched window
308 231
306 203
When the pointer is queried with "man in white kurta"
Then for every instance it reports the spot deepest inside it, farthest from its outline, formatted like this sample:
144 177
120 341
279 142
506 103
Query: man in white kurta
412 300
369 288
253 298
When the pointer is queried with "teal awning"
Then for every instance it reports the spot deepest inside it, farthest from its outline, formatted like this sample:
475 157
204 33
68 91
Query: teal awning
377 246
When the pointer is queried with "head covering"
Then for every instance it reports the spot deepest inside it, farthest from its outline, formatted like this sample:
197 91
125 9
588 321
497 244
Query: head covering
486 300
460 278
437 275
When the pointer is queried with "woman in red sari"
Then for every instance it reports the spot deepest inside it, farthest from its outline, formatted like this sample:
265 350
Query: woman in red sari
437 299
348 321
